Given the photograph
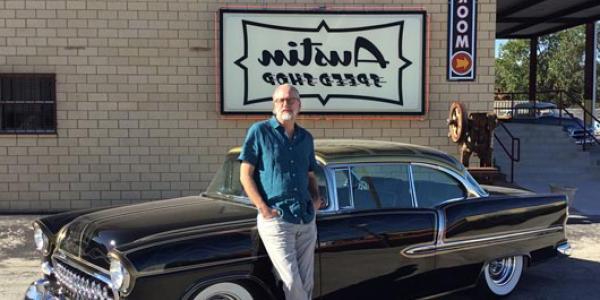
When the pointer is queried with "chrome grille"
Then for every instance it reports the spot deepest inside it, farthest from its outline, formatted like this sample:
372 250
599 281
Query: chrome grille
77 284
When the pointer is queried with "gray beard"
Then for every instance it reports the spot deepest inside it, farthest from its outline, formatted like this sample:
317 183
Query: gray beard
287 116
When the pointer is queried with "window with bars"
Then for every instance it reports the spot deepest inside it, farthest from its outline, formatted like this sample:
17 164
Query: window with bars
27 103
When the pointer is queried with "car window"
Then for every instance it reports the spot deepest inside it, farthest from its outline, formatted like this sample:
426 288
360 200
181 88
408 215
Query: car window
374 186
433 186
342 184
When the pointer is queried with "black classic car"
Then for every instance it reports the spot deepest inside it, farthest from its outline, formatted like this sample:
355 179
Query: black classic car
400 221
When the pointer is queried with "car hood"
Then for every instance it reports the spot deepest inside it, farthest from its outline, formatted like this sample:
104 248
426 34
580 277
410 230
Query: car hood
93 235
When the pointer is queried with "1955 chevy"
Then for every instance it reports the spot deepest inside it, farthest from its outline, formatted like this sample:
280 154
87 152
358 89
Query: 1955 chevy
400 221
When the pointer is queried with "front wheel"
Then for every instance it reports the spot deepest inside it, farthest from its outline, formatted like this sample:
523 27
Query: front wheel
225 291
501 276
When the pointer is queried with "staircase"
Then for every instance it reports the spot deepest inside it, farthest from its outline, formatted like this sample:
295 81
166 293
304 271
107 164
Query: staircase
550 156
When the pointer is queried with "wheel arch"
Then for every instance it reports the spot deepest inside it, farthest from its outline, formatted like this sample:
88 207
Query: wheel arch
244 279
526 262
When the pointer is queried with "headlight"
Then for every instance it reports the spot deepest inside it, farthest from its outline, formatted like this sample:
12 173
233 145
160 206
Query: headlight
41 240
119 275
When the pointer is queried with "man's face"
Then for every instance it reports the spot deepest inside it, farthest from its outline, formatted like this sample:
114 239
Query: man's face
286 104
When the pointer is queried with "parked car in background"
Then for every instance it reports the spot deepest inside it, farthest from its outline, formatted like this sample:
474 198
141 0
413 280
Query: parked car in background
400 220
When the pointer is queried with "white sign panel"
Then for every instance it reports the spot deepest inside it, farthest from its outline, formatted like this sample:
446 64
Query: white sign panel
341 62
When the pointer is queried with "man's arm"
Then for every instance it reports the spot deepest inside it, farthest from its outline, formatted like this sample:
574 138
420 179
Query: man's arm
247 179
313 189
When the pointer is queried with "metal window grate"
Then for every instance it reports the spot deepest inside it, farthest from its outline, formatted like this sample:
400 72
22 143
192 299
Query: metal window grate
27 103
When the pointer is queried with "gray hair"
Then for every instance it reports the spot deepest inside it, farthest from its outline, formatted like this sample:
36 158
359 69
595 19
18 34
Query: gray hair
292 88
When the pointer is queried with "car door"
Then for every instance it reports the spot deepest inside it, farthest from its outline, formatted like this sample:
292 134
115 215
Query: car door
433 186
360 241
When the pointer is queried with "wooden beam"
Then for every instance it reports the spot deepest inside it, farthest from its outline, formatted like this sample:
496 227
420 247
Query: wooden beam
519 7
550 30
564 20
548 18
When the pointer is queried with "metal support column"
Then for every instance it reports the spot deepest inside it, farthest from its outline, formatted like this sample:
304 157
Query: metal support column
533 45
589 92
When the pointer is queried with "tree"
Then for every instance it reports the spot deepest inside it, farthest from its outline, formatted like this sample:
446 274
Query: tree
512 67
560 64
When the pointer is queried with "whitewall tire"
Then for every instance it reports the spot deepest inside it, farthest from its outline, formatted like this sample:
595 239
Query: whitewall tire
224 291
501 276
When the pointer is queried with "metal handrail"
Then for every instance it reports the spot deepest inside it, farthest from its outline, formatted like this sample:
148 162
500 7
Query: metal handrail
585 131
511 155
585 113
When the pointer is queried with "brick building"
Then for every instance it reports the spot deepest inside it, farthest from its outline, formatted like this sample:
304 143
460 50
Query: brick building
133 86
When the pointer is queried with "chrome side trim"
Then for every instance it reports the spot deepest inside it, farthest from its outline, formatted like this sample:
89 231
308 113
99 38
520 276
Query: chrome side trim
197 266
413 190
350 187
331 192
444 247
441 222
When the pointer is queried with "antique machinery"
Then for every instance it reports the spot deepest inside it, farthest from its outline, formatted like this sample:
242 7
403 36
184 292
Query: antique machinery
474 134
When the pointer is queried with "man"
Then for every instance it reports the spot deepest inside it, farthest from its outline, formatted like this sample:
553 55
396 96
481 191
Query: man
277 173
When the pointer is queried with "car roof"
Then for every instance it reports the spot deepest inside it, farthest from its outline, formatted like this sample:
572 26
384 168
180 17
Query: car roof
346 151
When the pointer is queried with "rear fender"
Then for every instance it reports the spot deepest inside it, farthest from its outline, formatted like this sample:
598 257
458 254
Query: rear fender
494 227
478 230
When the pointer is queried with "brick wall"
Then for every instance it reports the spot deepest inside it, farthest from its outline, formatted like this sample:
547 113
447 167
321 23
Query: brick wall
137 109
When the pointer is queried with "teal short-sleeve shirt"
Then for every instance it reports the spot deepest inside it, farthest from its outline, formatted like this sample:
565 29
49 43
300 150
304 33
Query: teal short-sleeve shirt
281 168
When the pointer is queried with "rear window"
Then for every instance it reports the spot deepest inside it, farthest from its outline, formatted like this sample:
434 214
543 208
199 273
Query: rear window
433 187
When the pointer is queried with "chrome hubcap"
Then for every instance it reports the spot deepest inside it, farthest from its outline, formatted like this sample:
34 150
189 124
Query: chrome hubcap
501 270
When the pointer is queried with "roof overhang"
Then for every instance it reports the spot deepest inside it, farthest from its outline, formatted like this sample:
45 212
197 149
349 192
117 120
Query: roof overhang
531 18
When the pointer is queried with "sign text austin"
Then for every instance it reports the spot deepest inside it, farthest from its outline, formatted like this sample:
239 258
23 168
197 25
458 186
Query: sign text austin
462 40
341 62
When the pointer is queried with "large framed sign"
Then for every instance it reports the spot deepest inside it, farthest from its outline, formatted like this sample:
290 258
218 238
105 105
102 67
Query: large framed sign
342 62
462 39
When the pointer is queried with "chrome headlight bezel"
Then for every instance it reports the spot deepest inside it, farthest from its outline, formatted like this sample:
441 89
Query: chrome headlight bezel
120 276
41 239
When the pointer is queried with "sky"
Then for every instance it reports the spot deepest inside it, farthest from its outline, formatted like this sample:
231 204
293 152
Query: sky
498 43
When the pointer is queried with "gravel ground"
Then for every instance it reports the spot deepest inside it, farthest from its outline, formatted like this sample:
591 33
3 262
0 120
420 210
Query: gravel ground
19 262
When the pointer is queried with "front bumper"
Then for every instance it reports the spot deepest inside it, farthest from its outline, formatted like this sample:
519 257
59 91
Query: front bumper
564 248
41 290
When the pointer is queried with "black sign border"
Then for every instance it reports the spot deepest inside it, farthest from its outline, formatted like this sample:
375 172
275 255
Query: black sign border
451 51
423 13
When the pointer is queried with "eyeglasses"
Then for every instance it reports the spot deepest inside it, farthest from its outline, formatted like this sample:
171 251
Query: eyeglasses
284 100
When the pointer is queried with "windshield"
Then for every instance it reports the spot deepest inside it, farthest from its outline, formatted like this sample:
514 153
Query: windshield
226 183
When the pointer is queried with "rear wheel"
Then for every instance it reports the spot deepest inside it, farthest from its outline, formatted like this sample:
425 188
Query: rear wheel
225 291
501 276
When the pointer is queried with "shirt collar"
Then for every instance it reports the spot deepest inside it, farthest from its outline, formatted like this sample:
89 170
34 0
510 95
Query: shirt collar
275 124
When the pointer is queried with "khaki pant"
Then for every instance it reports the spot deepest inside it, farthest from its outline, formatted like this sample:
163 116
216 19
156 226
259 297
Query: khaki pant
291 248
